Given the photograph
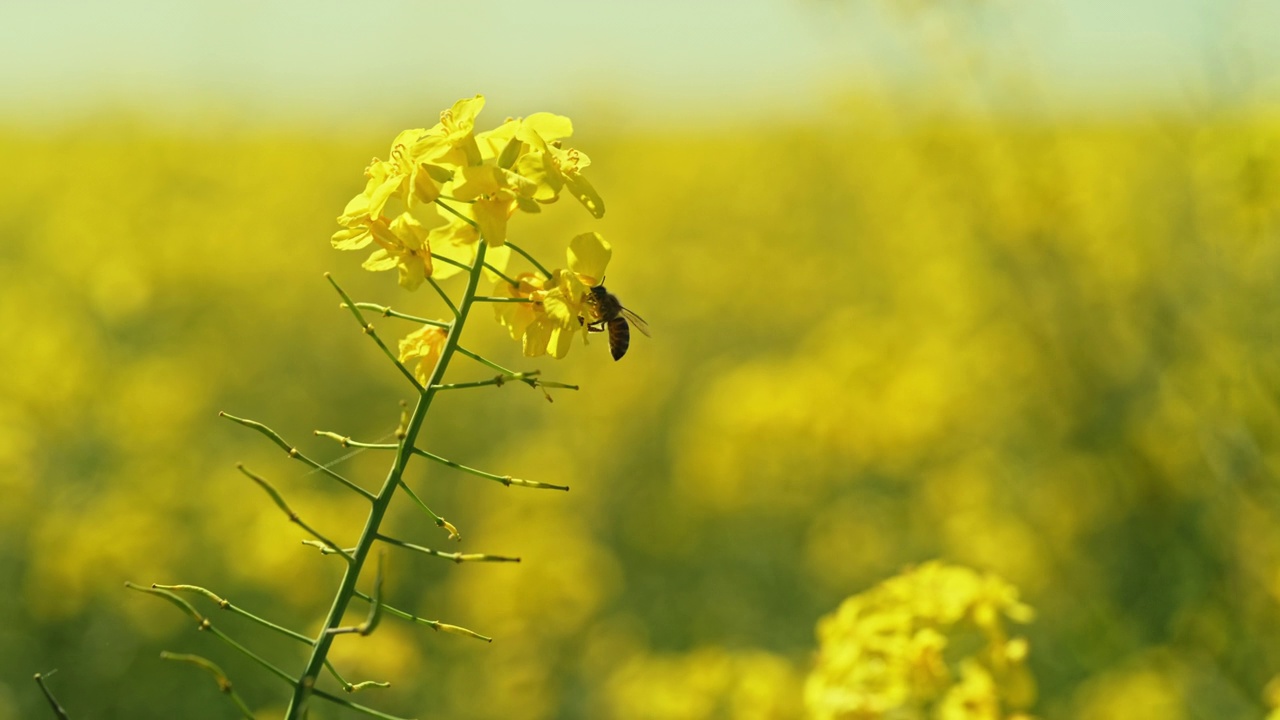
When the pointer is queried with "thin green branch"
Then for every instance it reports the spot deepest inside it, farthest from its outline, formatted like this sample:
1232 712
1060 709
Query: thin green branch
368 330
48 695
291 634
353 706
498 380
439 521
504 479
220 677
444 296
203 623
345 441
385 311
294 452
486 361
527 377
498 299
225 604
464 266
456 557
450 261
545 273
433 624
354 687
510 281
284 506
449 209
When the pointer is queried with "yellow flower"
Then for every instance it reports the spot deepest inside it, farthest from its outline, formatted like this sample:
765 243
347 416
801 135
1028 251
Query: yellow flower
425 345
493 195
551 166
896 649
404 246
516 317
560 306
588 256
459 186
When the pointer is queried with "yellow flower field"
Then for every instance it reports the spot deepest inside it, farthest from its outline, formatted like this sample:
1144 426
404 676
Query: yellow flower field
1041 353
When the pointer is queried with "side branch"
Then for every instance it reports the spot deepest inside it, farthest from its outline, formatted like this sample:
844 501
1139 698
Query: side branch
388 312
293 516
456 557
368 330
203 624
506 480
237 610
433 624
48 695
294 453
220 677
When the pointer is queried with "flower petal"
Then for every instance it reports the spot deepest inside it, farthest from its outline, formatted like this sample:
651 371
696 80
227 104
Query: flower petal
589 256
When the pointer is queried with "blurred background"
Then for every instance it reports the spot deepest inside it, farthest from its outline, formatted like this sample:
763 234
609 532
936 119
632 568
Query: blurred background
983 281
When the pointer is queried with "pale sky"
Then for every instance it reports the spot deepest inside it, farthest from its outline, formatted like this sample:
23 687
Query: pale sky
636 63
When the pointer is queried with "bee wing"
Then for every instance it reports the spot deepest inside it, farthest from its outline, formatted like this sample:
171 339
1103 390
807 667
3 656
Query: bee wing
638 321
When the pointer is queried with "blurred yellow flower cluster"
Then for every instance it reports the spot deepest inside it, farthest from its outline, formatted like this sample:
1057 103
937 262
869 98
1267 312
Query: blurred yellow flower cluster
930 642
706 683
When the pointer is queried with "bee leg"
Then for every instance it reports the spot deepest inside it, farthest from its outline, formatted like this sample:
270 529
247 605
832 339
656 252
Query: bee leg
594 327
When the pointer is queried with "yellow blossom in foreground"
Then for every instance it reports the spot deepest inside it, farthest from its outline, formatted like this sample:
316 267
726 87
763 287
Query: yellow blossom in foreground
424 345
895 650
463 184
404 247
517 316
560 308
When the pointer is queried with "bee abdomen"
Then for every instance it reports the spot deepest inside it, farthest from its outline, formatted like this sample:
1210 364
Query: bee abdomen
619 337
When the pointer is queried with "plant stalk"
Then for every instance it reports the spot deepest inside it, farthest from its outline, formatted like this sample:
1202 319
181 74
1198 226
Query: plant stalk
346 591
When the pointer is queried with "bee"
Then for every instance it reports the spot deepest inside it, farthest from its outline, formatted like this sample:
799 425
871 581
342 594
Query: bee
610 316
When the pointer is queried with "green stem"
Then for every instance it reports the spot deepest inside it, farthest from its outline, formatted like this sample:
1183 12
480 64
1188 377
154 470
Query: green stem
294 453
293 516
433 624
439 521
499 380
485 361
495 299
388 312
464 266
220 677
456 557
235 609
368 330
48 695
503 479
530 258
502 275
369 536
444 296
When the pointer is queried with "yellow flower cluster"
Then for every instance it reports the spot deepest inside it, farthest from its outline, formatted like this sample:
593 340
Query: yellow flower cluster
442 189
558 305
445 188
930 642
